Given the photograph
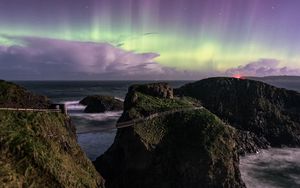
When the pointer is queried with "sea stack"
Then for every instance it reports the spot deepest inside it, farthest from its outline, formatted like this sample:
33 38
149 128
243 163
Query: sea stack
188 148
101 104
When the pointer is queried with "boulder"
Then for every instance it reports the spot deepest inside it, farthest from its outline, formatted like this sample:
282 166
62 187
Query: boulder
188 147
100 104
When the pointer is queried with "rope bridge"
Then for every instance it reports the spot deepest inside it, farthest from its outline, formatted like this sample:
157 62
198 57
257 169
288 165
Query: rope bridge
58 108
118 125
140 120
30 110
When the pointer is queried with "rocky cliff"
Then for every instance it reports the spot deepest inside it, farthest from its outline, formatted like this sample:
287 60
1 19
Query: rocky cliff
39 149
14 96
269 114
188 148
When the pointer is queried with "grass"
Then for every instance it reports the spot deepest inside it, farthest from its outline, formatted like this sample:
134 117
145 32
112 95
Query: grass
10 91
38 151
147 105
195 139
206 127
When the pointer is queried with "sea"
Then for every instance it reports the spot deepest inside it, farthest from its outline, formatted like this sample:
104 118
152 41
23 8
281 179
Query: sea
272 168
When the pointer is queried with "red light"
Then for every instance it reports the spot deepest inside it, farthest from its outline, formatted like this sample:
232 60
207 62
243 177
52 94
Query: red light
238 76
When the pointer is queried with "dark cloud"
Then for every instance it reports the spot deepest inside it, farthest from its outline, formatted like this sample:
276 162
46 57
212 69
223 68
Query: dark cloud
263 67
43 58
48 59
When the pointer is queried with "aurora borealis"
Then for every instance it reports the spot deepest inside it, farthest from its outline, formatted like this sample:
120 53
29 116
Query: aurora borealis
195 37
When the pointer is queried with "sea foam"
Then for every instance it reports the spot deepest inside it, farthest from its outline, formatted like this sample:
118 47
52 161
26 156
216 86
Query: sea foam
272 168
74 105
95 131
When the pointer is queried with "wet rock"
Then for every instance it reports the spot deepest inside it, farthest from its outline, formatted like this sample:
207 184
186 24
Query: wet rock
100 104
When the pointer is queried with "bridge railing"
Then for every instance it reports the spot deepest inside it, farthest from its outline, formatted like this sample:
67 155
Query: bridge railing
31 110
138 120
59 108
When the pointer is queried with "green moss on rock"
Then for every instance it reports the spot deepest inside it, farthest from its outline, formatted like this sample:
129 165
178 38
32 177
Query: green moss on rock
14 96
142 105
38 150
191 148
270 114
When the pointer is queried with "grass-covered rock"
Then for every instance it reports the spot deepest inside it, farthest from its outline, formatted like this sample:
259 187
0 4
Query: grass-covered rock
38 150
191 148
14 96
271 113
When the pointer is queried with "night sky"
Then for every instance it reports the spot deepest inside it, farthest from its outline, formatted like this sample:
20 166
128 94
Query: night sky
148 39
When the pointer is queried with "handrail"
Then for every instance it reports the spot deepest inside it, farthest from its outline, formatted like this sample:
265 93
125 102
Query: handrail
138 120
30 109
118 125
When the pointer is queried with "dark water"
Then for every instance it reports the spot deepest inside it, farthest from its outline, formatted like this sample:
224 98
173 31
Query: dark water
272 168
75 90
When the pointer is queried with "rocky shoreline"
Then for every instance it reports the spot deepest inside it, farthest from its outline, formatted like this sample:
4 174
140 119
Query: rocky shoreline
195 148
184 149
260 116
269 114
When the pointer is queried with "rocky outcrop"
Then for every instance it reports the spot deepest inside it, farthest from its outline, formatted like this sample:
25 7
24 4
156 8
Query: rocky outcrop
100 104
162 90
248 142
39 149
271 113
14 96
188 148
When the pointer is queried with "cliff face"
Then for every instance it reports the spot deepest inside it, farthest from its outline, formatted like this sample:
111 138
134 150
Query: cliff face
14 96
272 114
38 149
191 148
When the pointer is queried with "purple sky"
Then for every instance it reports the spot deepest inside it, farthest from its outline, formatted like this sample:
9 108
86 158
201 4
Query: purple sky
148 39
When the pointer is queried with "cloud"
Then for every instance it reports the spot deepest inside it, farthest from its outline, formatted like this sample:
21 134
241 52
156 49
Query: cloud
43 58
53 59
262 67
